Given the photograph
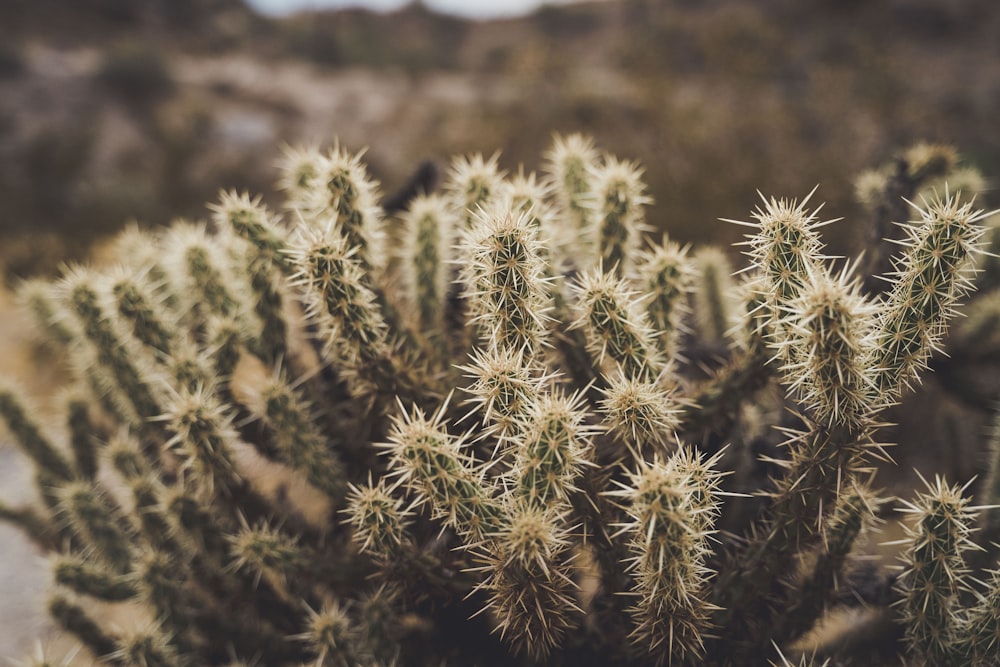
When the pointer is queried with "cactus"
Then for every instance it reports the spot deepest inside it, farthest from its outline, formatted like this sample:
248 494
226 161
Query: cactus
511 441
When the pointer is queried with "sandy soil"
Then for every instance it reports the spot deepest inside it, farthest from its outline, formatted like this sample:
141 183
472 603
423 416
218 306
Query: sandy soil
24 576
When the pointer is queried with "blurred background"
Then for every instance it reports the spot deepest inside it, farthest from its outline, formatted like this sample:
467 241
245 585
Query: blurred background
112 110
120 110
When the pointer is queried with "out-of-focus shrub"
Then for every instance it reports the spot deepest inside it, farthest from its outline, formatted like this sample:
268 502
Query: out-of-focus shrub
418 39
11 61
137 74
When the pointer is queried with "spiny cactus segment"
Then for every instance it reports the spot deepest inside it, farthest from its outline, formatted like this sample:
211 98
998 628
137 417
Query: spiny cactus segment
507 441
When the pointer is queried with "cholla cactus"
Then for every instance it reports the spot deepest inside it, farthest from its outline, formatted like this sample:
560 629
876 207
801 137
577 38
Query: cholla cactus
426 260
505 282
472 183
619 218
919 171
505 385
617 330
667 275
672 507
572 162
432 465
931 277
642 414
529 579
553 443
713 296
340 193
263 459
827 326
935 575
379 519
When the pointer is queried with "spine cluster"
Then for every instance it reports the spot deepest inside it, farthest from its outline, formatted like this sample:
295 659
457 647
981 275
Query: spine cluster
527 434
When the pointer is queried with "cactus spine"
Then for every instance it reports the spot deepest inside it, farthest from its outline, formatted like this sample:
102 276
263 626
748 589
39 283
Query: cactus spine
509 440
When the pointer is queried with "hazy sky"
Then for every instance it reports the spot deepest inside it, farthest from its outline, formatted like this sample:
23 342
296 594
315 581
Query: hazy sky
472 8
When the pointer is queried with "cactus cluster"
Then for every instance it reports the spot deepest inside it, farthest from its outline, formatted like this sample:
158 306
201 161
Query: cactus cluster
502 427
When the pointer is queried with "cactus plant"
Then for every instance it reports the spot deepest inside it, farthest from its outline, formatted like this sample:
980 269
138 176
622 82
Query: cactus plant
501 443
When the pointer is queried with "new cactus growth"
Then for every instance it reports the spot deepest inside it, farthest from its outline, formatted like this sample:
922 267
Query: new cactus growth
508 443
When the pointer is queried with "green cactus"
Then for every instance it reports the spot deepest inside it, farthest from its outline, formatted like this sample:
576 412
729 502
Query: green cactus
508 441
